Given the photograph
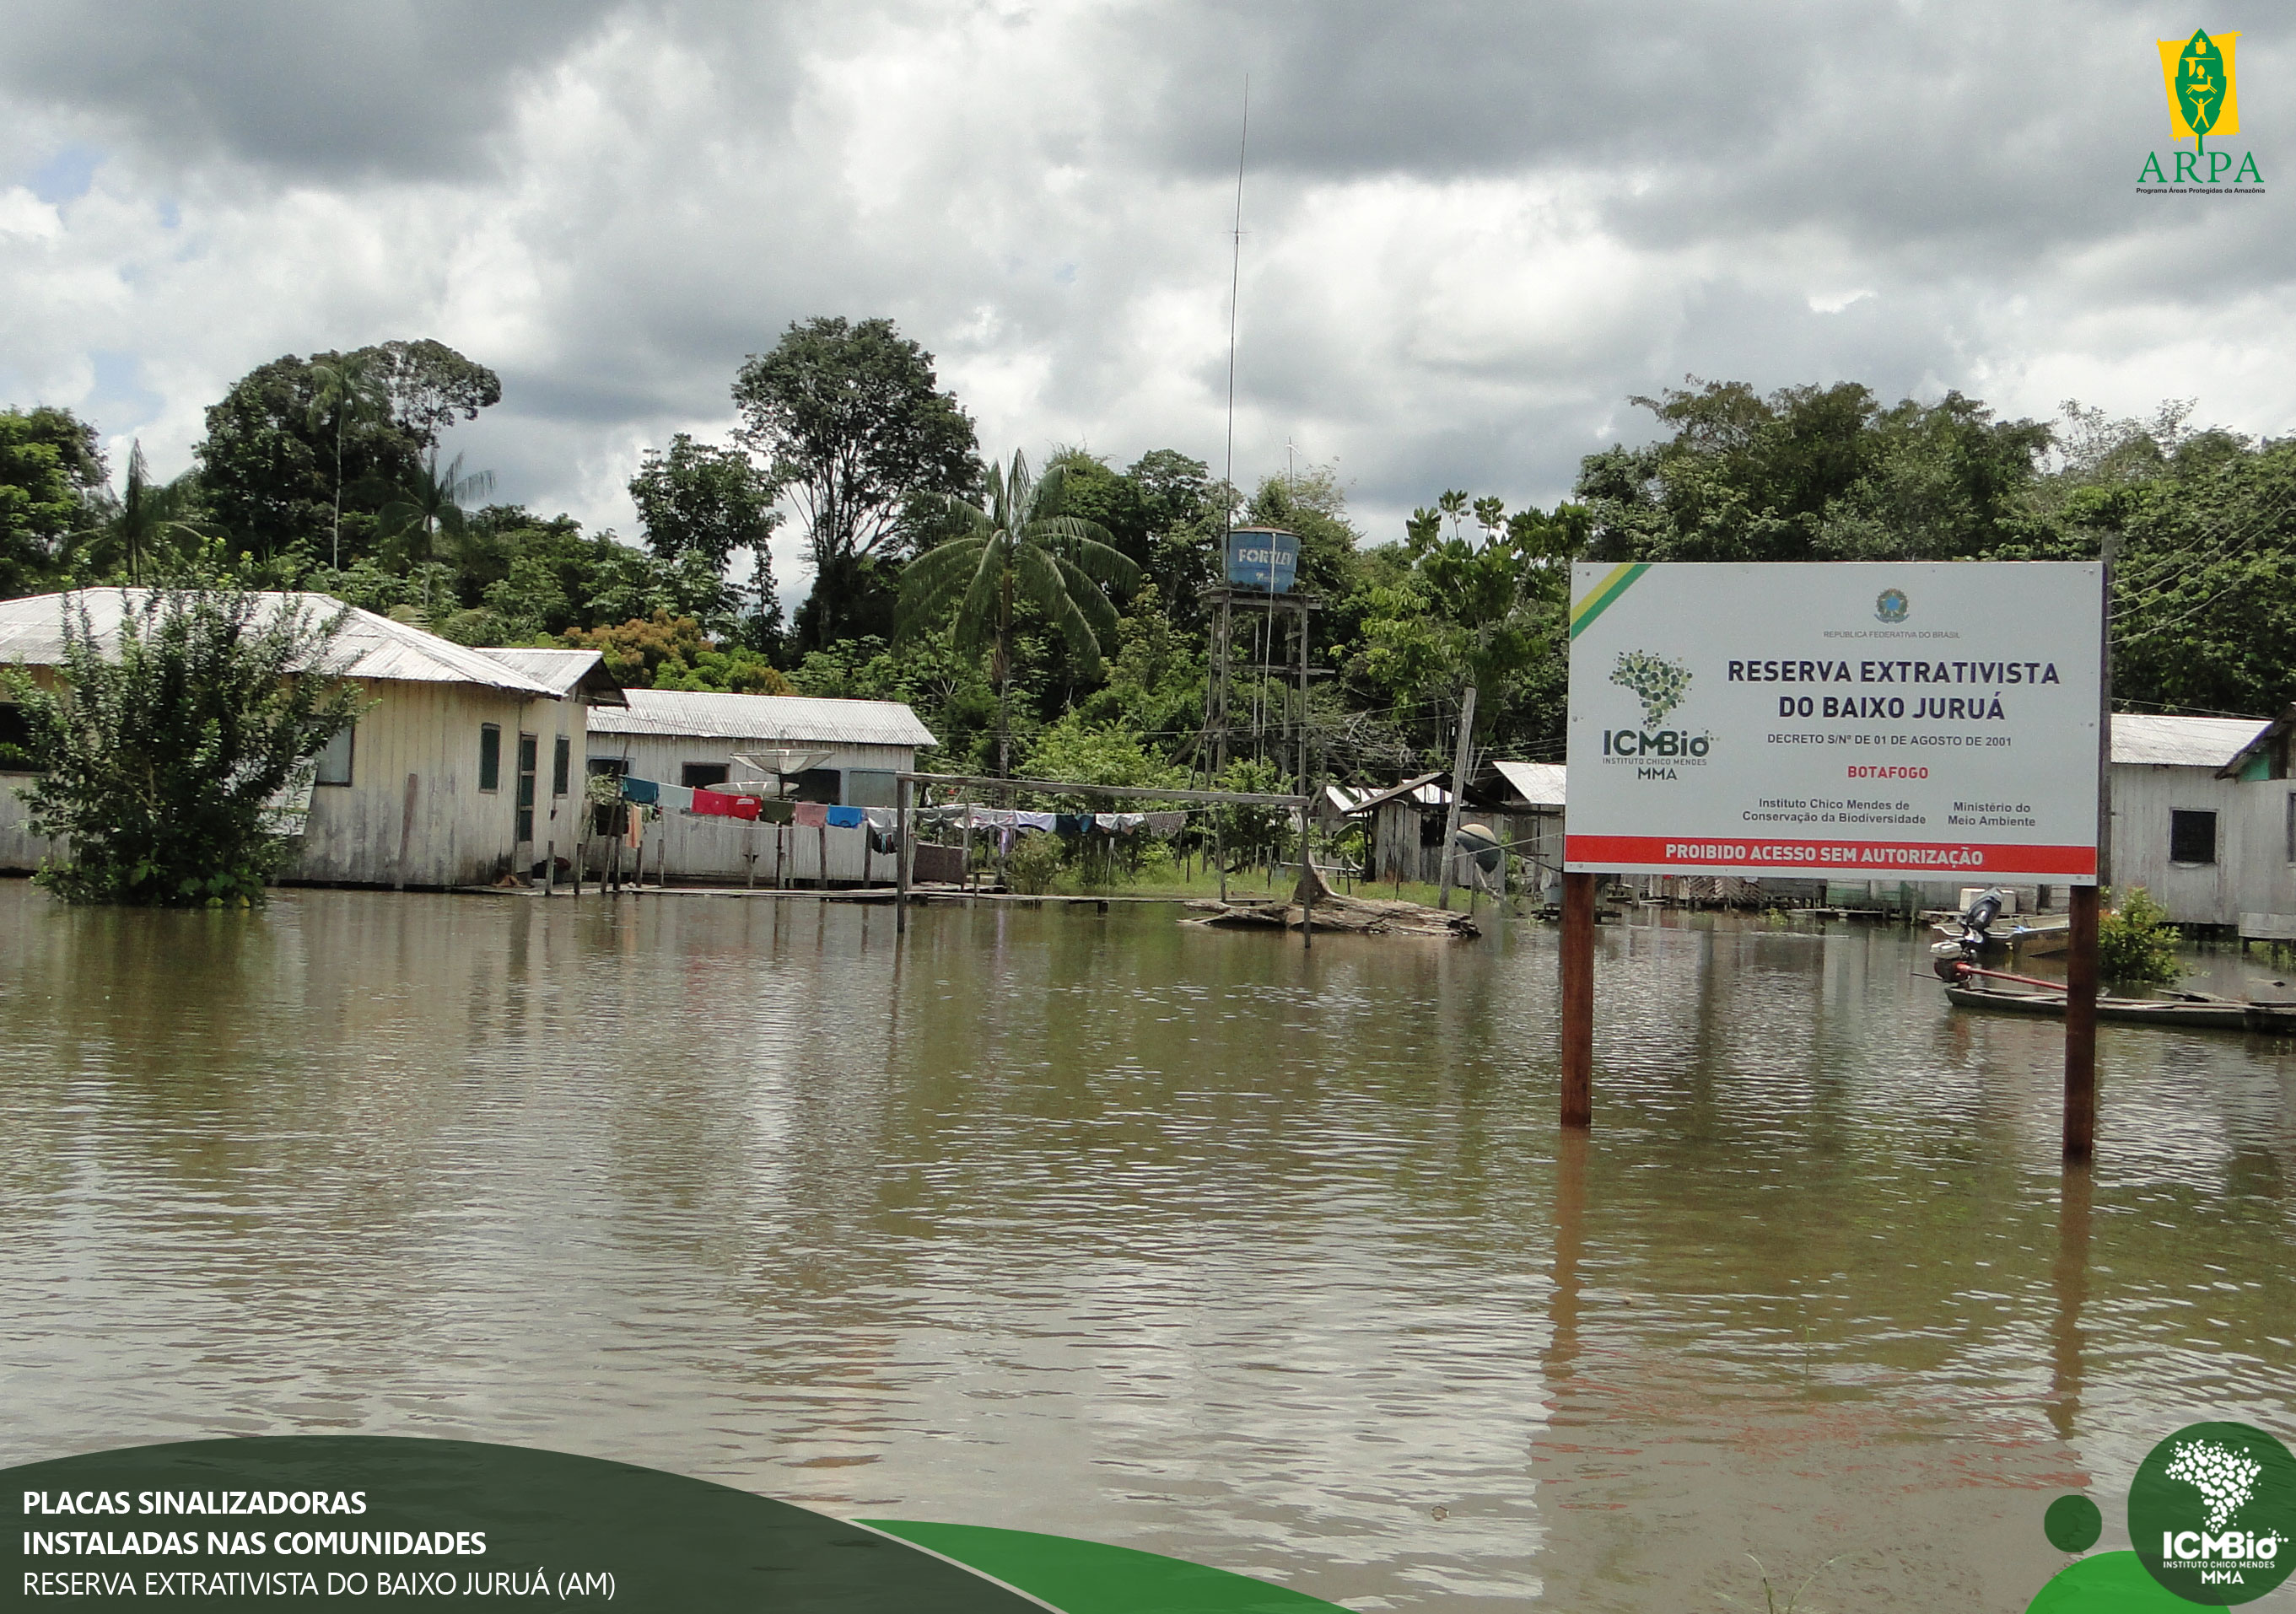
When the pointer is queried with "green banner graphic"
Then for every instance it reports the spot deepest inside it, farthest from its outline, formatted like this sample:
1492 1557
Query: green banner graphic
351 1521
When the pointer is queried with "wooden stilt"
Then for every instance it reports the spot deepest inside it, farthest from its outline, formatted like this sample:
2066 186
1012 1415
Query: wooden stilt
900 857
1578 1000
2080 1027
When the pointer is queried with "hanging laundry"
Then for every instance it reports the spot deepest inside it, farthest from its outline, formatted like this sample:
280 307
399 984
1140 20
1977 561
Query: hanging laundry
634 837
1071 824
847 818
882 818
1166 823
746 807
883 839
1033 821
1130 824
810 814
777 812
645 790
676 798
714 804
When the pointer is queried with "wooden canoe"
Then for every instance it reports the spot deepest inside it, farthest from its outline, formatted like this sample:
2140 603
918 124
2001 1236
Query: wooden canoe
2193 1010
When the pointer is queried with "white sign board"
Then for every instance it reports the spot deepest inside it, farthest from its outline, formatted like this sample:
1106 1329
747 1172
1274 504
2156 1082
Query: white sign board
1934 721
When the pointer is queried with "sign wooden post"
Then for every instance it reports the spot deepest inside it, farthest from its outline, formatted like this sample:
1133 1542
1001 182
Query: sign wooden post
1940 721
1578 1000
2080 1026
900 857
2086 910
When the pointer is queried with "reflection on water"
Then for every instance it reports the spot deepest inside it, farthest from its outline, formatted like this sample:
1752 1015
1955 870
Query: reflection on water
1111 1226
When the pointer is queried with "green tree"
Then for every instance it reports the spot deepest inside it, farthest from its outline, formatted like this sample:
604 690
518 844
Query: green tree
1814 473
161 754
1013 547
666 652
148 519
269 472
1101 753
851 427
429 503
698 499
1163 512
1156 678
1486 611
345 388
430 386
51 473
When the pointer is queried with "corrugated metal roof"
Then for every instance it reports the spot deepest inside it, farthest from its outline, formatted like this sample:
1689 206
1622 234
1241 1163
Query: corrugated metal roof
802 719
32 631
1420 790
2144 738
564 670
1539 783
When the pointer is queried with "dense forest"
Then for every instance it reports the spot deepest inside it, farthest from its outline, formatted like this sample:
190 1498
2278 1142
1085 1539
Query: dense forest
1048 618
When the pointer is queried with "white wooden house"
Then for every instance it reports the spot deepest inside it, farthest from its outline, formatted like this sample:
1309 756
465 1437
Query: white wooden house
691 739
446 780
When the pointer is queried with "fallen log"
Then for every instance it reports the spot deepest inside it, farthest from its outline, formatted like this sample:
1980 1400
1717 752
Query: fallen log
1363 917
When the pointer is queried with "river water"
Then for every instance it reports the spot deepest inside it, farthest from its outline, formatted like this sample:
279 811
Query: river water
1117 1228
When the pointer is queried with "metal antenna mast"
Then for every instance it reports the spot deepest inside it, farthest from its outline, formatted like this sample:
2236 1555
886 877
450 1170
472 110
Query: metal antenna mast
1235 288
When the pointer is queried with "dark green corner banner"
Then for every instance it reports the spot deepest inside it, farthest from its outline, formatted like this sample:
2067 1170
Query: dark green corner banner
357 1521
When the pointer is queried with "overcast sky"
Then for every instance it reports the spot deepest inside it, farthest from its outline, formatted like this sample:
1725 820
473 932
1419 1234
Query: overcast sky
1470 231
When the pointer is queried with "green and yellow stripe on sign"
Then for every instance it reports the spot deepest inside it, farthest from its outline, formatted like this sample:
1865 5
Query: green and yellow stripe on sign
1597 600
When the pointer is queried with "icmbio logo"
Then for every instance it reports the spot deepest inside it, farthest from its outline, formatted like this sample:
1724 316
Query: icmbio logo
2212 1513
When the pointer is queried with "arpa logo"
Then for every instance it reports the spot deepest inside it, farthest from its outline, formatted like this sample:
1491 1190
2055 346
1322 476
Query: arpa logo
2201 75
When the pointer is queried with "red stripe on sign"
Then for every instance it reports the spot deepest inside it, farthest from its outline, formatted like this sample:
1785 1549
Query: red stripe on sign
1755 857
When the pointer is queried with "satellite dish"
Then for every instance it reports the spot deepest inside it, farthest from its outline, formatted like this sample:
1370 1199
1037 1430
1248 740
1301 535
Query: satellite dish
1480 844
786 763
783 766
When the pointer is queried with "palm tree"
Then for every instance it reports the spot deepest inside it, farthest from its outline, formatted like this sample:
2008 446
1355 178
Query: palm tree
432 504
1017 546
349 390
150 516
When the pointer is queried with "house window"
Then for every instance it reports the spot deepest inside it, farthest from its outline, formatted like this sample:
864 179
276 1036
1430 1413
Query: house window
865 788
15 740
528 753
703 775
609 767
562 761
2192 837
335 761
490 756
818 784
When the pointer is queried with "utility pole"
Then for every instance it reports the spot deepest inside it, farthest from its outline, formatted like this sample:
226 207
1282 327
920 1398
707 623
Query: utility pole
1458 790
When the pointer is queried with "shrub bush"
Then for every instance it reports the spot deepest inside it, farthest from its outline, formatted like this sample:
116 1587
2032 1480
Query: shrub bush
2135 944
1035 863
160 761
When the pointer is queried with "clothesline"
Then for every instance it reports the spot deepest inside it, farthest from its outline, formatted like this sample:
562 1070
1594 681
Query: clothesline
702 802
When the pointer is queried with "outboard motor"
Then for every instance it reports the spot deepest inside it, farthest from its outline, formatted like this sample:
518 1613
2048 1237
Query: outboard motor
1976 933
1982 913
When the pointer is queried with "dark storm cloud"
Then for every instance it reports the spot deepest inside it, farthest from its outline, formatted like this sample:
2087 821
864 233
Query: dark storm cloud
1470 231
397 88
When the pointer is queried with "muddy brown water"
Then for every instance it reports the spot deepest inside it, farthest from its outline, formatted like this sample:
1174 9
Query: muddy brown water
1110 1226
